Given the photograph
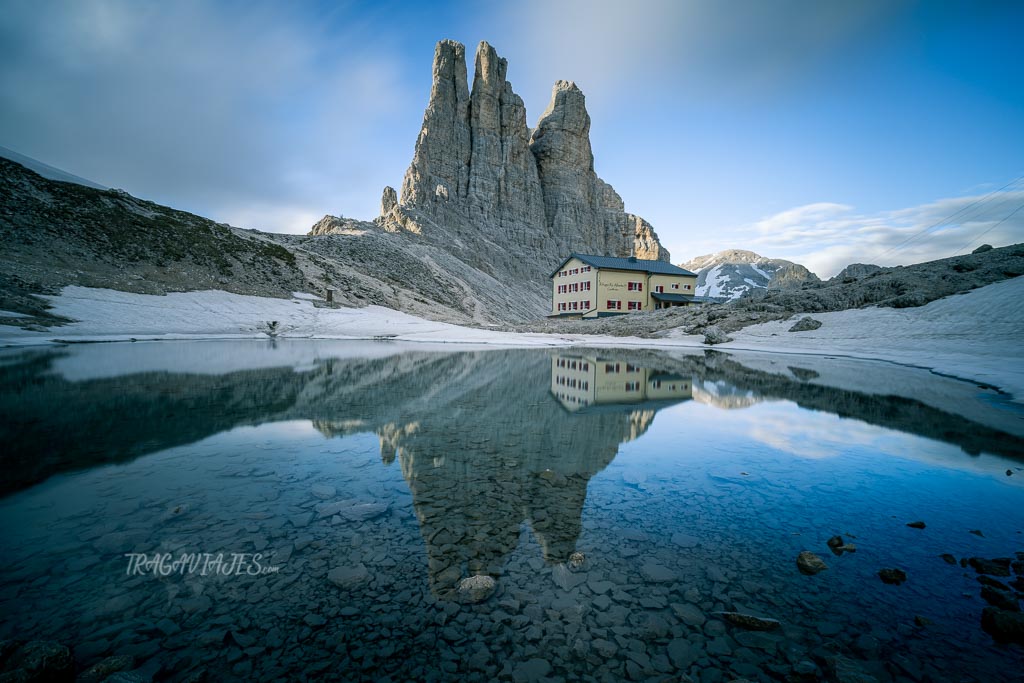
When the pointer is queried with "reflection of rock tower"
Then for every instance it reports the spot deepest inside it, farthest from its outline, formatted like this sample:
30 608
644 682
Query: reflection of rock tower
475 474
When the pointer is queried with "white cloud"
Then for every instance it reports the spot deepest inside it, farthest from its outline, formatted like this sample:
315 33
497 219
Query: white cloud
203 106
826 237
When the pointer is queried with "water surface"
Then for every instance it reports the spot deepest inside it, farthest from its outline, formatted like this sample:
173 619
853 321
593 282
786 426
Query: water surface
620 500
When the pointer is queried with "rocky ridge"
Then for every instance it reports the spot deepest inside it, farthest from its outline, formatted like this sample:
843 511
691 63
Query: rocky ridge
896 287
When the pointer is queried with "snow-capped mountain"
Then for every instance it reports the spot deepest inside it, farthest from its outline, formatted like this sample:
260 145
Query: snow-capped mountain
735 273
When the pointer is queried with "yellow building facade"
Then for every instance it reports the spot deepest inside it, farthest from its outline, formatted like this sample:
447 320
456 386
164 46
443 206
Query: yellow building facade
596 286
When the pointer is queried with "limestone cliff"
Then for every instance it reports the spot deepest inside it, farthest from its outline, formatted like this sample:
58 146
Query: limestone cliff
499 196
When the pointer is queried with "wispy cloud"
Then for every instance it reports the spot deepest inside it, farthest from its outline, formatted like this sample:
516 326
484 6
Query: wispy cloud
207 106
645 47
826 237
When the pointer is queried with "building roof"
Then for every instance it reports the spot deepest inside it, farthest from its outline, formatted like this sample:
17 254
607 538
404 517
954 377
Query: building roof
680 298
622 263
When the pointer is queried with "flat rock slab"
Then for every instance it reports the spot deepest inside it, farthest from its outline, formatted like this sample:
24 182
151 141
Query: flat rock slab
684 540
351 510
323 491
689 613
531 670
347 577
657 573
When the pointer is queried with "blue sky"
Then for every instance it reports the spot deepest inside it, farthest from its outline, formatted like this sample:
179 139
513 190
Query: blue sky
823 132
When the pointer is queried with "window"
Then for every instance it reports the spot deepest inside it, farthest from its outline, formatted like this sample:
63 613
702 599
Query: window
686 286
656 384
611 368
632 386
660 289
573 305
675 285
585 305
614 305
634 305
587 283
635 286
632 368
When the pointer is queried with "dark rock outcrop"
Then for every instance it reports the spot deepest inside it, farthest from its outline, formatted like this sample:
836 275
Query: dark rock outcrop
855 271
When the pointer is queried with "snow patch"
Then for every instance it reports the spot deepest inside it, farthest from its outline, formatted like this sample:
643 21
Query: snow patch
973 336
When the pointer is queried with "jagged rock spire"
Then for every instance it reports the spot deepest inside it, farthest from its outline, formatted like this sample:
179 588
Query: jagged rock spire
482 182
440 164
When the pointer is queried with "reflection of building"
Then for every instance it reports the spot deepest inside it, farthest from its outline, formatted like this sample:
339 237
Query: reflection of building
579 382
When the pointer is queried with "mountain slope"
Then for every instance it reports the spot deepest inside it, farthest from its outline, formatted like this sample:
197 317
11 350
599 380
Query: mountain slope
735 273
47 171
56 234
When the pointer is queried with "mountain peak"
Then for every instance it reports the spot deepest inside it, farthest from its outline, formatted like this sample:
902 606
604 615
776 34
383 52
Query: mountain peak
735 273
509 198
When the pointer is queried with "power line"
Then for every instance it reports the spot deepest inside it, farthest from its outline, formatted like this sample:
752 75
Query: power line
975 239
949 217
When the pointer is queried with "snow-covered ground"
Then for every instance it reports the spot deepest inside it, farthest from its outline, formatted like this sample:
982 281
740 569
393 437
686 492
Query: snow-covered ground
977 336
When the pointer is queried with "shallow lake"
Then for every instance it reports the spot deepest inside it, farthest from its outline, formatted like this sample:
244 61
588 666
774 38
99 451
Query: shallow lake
373 511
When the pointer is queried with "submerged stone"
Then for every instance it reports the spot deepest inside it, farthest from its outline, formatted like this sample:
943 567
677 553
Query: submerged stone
477 588
749 621
892 576
997 567
347 577
808 563
1003 626
999 598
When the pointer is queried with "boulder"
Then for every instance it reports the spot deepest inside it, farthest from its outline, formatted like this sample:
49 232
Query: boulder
982 249
476 589
808 563
892 576
714 335
805 324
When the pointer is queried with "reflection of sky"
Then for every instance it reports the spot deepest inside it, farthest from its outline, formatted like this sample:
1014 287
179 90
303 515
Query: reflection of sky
783 427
